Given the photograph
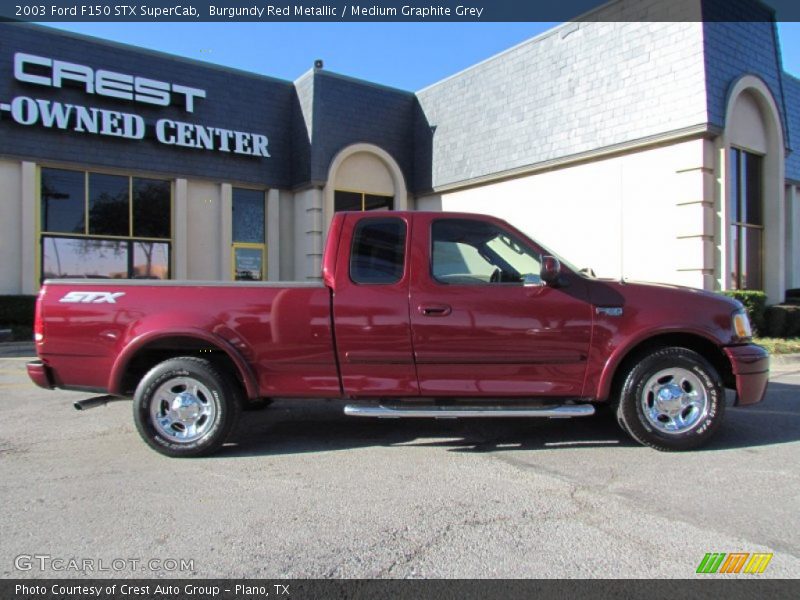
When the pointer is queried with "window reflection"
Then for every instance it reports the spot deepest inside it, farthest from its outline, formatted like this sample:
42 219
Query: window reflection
70 257
64 258
746 212
347 201
152 215
248 216
63 200
361 201
108 205
90 208
150 260
378 251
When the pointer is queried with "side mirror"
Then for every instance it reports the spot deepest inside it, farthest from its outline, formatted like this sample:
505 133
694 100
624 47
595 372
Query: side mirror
550 270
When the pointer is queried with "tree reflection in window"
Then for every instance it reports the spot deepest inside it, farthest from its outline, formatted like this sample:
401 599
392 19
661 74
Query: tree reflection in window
151 208
108 205
64 258
150 260
84 257
63 200
77 222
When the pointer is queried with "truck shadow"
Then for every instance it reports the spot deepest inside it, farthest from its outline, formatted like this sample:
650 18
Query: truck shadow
302 426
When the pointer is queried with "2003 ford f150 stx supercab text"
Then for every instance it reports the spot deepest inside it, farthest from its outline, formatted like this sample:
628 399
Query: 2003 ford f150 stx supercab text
418 315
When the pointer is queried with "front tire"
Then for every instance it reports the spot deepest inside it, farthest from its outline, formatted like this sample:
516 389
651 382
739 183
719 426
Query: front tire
185 407
672 399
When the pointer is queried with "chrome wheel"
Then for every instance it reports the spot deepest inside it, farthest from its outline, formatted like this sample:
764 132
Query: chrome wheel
674 400
183 410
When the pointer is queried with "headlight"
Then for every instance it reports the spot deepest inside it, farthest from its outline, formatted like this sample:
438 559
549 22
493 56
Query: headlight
741 325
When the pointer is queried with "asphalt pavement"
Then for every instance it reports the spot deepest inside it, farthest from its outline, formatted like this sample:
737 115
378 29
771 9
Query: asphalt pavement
302 491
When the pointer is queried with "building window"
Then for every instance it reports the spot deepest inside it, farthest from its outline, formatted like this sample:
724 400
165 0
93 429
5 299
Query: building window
746 211
249 239
97 225
361 201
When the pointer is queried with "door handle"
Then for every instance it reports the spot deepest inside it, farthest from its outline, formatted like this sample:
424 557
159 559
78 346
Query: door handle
434 310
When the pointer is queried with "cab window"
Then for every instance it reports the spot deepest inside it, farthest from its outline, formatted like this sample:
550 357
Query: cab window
378 252
479 253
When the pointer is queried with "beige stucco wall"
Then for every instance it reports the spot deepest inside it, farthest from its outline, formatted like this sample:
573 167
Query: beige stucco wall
364 172
285 241
746 128
792 236
203 231
643 216
11 247
308 234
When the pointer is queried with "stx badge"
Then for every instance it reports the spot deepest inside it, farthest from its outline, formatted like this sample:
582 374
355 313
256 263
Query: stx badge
92 297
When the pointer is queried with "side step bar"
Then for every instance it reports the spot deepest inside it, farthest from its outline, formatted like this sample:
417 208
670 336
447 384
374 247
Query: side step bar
95 402
563 411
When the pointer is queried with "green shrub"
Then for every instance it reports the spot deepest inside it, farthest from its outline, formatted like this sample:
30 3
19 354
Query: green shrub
775 318
782 320
21 333
793 321
17 310
755 303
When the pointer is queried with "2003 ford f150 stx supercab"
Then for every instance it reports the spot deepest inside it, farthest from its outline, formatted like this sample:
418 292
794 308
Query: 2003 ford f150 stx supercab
418 315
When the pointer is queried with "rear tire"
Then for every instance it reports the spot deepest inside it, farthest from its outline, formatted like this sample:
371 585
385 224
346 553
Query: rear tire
672 399
185 407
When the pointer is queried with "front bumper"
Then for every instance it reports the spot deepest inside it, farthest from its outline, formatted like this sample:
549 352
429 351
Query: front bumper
40 374
750 366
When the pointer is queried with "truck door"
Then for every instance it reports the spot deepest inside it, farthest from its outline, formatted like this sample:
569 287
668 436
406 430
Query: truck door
480 323
370 306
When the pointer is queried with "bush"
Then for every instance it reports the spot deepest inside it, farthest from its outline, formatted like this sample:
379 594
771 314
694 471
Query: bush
17 310
782 321
776 318
755 303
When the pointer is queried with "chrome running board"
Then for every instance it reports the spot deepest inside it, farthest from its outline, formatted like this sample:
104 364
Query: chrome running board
562 411
95 402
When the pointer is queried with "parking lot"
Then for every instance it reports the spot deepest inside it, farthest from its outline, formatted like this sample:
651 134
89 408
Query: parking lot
307 492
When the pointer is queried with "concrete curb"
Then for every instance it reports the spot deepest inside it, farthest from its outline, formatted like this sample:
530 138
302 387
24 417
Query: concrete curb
17 349
784 362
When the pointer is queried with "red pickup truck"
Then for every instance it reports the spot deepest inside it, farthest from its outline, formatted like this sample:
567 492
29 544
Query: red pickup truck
417 315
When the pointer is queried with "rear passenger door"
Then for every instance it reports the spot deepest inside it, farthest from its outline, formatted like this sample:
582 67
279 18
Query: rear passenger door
370 307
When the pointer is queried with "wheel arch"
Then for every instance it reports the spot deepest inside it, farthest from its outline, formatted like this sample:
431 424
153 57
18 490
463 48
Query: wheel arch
616 369
149 349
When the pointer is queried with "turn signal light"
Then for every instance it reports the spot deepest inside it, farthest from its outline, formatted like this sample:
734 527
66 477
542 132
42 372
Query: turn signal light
741 325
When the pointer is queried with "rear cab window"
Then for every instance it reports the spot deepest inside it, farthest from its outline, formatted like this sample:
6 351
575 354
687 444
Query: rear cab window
377 254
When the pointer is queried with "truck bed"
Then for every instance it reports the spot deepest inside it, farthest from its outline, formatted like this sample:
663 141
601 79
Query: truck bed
282 330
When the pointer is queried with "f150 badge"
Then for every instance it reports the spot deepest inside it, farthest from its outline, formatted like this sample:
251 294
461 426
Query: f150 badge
92 297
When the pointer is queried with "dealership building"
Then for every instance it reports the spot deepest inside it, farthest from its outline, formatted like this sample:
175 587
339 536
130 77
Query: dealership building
642 148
